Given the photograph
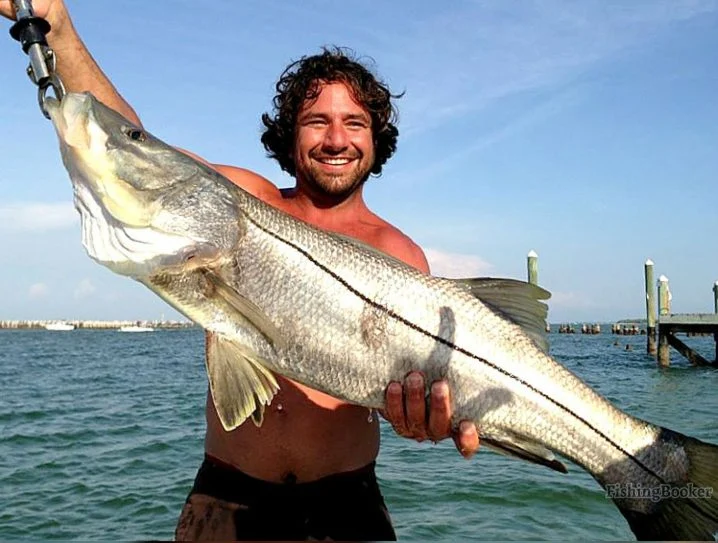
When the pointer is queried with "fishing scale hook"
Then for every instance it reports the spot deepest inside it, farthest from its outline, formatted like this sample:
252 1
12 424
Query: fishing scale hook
30 31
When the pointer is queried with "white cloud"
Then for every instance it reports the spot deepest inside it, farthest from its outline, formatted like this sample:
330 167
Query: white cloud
456 265
37 290
84 289
37 216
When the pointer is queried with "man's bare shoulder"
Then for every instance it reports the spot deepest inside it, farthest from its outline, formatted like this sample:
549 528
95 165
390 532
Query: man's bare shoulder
255 184
396 243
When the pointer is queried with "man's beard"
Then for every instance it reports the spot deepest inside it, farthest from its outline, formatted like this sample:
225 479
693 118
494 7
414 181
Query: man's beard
336 185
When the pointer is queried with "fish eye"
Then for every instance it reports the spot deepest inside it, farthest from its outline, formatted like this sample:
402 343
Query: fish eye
136 134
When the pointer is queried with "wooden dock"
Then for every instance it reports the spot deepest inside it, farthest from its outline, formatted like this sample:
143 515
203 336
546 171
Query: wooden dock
661 325
666 325
689 323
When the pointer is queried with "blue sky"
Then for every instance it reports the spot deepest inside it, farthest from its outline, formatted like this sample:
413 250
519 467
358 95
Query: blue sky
586 131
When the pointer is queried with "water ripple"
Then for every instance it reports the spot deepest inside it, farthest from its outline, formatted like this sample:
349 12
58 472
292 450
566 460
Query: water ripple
101 436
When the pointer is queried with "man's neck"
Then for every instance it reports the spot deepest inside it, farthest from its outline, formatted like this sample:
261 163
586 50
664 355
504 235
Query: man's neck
323 210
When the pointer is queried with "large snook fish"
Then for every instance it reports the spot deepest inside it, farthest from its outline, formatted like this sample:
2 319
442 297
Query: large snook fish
282 296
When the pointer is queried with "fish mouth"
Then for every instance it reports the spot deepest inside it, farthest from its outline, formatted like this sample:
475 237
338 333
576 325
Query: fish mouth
92 162
116 219
71 118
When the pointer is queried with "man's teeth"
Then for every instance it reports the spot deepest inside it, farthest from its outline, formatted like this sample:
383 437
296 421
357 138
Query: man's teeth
335 161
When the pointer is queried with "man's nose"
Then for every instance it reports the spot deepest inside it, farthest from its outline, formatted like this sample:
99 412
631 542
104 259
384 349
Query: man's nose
336 137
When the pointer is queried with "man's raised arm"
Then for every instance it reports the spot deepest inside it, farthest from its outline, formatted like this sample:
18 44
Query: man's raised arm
77 69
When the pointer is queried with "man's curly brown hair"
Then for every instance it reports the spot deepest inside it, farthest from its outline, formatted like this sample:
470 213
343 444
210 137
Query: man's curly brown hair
302 80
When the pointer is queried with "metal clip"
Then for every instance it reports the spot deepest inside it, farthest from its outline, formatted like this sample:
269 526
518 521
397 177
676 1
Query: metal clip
54 83
46 82
30 31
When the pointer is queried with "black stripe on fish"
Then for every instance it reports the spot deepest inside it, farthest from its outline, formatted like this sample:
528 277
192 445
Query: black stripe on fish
449 344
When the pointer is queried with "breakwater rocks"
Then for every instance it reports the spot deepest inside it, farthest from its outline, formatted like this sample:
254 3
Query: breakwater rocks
67 325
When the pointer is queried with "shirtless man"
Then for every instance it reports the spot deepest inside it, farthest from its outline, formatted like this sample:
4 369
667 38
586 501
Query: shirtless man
308 472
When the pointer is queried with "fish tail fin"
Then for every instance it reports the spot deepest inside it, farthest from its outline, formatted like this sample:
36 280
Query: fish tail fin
683 510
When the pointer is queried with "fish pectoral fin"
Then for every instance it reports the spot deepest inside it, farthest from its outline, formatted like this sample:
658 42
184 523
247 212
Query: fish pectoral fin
525 450
517 300
248 309
240 384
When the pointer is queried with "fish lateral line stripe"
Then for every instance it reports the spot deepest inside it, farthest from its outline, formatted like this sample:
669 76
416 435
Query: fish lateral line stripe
449 344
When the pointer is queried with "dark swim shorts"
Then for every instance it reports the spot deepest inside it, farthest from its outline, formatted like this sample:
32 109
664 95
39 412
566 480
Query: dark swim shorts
225 503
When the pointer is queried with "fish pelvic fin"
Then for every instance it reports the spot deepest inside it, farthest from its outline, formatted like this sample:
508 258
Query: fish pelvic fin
240 384
511 445
516 300
685 510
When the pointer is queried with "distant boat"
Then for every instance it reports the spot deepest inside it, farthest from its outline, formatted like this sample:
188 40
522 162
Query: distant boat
136 328
59 326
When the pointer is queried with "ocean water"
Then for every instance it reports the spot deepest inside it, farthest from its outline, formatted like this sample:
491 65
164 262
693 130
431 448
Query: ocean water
101 434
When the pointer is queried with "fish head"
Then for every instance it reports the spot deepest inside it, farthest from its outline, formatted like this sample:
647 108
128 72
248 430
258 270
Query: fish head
121 163
135 193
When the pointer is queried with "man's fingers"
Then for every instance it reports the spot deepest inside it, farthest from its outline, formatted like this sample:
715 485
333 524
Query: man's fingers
6 9
415 405
394 410
440 414
467 439
406 411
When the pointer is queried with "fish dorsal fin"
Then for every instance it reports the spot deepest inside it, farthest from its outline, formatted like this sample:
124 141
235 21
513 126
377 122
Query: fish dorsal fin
517 300
517 447
240 384
254 316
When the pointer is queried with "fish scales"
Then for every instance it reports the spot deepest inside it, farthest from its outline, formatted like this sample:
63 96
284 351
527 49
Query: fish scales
318 297
282 296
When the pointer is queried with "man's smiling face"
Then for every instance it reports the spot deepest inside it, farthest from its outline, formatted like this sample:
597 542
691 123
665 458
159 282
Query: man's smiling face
334 147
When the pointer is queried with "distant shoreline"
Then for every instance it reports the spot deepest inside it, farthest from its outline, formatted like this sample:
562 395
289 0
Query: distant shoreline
93 324
169 325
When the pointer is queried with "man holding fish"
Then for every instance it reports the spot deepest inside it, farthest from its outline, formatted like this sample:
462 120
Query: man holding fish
308 471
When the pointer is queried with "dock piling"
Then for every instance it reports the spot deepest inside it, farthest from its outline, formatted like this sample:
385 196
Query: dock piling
664 309
532 265
650 309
